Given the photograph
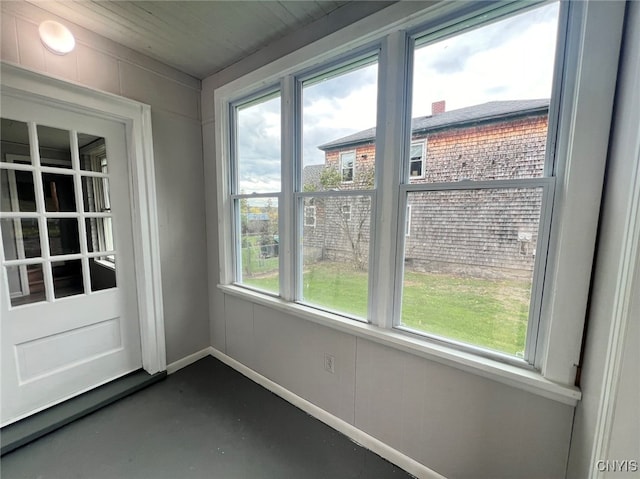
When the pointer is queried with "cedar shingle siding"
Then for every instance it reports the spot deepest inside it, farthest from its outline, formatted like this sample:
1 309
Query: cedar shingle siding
472 232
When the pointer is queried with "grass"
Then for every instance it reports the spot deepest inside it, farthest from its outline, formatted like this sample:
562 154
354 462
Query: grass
484 312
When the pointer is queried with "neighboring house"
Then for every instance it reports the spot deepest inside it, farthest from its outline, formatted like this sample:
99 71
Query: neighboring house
491 141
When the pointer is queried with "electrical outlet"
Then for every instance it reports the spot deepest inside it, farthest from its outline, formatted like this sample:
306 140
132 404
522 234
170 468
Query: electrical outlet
329 363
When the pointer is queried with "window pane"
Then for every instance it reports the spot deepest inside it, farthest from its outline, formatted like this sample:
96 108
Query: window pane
103 273
67 278
335 254
26 284
16 191
469 265
93 154
95 194
59 192
63 236
21 238
55 147
258 146
481 98
338 138
259 243
14 142
99 234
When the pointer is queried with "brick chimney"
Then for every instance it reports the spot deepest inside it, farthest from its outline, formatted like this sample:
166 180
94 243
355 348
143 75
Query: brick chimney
437 107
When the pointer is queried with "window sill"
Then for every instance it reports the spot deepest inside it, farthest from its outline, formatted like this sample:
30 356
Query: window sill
528 380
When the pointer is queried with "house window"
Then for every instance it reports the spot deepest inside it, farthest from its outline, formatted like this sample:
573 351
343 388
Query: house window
346 213
459 276
347 165
310 216
417 159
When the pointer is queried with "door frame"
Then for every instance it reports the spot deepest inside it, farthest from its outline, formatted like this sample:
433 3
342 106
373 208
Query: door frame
26 84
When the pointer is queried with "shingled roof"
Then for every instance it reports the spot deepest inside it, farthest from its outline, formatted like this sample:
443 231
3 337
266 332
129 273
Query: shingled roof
492 110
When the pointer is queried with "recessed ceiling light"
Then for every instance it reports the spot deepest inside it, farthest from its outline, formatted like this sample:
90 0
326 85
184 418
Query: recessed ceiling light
56 37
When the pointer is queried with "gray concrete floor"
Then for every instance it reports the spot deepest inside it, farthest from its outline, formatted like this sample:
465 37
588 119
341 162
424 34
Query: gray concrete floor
205 421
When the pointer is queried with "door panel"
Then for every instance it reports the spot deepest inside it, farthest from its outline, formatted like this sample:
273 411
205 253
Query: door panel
68 292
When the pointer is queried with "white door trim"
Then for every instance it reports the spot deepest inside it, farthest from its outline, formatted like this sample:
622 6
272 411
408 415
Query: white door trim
22 83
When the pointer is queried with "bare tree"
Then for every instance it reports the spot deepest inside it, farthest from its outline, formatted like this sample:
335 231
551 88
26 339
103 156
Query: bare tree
351 215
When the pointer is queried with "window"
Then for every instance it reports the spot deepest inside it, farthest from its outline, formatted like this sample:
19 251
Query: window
466 264
347 165
256 191
310 216
346 213
493 133
417 159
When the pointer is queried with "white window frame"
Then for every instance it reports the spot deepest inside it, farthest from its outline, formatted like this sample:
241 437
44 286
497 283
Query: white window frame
407 223
582 140
423 159
344 154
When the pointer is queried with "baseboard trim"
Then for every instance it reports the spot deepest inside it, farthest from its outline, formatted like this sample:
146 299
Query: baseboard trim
358 436
187 360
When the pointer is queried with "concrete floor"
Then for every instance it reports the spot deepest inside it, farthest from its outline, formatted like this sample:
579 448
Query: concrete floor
205 421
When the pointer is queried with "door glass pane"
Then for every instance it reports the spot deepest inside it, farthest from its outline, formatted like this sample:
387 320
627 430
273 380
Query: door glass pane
55 147
20 237
95 194
59 192
259 261
14 142
99 234
338 138
26 284
258 146
16 191
103 272
63 236
93 153
469 263
335 253
67 278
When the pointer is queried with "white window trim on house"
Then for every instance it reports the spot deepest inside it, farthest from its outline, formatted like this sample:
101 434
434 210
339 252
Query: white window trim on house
423 159
343 154
582 139
407 222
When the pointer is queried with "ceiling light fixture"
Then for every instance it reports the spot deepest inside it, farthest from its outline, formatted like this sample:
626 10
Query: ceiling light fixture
56 37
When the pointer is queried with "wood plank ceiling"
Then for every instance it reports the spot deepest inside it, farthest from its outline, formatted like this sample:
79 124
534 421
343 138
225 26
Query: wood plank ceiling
197 37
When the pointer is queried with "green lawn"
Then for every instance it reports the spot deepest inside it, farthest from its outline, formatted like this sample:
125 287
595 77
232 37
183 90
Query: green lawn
484 312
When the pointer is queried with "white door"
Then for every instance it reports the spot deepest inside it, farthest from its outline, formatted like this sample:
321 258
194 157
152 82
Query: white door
68 301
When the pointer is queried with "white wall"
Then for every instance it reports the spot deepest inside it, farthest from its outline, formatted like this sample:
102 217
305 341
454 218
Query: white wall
175 106
607 423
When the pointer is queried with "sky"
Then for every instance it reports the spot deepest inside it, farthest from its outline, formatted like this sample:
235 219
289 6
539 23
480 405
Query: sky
506 60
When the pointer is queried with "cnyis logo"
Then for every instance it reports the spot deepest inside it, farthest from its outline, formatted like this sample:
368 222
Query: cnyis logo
627 465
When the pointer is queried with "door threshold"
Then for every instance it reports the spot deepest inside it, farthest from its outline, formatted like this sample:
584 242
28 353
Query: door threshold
34 427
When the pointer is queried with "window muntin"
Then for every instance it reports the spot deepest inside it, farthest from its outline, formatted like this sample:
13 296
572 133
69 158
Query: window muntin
45 217
489 140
